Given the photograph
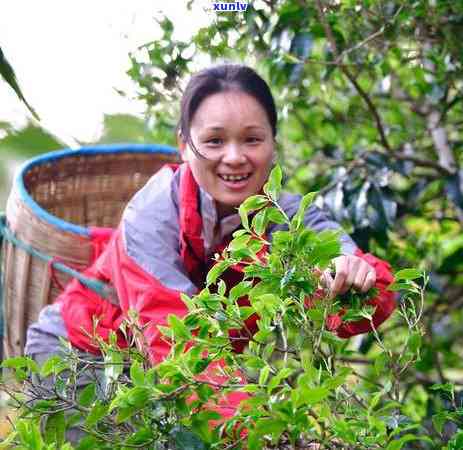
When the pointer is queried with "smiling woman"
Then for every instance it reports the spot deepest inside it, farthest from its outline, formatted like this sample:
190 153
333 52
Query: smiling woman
185 214
229 139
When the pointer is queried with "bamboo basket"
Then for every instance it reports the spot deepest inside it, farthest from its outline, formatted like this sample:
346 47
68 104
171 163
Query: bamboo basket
54 200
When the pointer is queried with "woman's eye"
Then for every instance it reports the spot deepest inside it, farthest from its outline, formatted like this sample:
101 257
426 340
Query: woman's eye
214 141
253 140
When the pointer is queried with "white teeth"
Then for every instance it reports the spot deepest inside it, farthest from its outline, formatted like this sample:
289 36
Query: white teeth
234 177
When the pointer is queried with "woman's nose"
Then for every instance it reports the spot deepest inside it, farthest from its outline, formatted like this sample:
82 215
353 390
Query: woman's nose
233 154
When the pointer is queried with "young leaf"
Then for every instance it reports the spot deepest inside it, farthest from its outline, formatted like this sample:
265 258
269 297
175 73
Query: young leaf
87 396
218 269
54 429
178 327
312 396
260 222
137 374
240 290
273 186
275 215
408 274
98 411
239 242
298 218
53 365
263 377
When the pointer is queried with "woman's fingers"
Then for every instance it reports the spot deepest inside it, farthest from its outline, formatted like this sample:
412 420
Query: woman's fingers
342 272
360 277
370 281
354 264
352 272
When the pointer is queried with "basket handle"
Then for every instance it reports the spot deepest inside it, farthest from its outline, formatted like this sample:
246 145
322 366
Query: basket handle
102 289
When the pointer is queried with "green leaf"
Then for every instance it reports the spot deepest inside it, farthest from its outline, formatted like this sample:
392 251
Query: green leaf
239 242
218 269
53 365
87 395
408 274
240 290
337 380
298 218
380 363
184 439
138 396
98 411
178 327
87 443
7 73
113 365
253 203
267 302
316 315
275 215
55 428
260 222
21 362
270 426
29 434
414 341
273 186
278 378
140 437
137 374
445 387
166 331
397 445
312 396
264 374
395 287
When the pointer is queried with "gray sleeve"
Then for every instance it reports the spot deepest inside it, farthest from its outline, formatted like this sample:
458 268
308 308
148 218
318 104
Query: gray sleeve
314 218
151 233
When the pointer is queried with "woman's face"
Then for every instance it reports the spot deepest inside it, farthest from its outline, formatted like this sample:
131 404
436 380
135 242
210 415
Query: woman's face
231 129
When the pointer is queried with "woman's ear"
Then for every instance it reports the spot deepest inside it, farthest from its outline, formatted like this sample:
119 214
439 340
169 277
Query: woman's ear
181 144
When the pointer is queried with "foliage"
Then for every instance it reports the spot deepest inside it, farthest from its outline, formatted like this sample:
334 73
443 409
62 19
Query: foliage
369 96
370 105
303 385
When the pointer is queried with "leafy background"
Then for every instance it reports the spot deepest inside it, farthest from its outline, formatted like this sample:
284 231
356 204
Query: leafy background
369 96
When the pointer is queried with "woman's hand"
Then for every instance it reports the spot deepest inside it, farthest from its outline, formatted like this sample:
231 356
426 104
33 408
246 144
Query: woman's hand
351 272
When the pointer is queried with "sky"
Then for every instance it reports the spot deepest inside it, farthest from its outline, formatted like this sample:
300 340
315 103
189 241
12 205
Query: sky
70 56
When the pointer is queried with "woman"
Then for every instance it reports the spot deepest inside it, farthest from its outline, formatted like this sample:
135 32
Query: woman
173 225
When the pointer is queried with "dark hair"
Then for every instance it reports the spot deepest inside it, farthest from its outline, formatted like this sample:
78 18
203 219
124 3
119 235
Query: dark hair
223 78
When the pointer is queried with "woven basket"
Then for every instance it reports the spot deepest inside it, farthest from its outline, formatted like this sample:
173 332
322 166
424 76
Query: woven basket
54 199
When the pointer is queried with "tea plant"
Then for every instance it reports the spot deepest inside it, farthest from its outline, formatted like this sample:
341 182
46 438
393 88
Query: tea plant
300 385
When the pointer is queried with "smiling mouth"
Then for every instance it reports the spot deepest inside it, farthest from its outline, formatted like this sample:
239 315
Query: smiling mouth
235 178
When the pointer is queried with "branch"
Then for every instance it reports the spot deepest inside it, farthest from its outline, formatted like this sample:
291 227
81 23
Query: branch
351 78
418 161
369 38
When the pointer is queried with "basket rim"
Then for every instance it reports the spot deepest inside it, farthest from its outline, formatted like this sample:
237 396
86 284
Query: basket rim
64 153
